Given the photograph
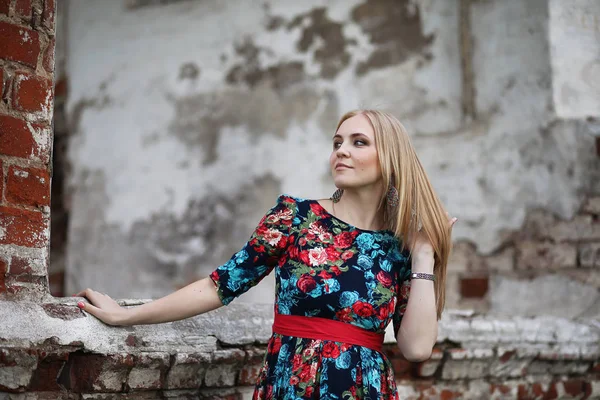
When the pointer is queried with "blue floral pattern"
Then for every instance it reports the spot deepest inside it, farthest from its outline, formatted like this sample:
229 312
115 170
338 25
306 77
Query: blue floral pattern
324 268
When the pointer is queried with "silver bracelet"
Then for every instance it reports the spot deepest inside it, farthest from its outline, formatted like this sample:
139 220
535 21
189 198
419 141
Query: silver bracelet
421 275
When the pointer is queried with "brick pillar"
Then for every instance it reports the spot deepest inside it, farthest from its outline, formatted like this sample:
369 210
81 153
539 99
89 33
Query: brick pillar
26 84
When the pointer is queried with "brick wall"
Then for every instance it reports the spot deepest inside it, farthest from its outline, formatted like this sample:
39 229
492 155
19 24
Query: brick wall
218 356
26 83
545 245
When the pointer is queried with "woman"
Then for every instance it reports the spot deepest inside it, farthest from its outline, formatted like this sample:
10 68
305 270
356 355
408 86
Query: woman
343 270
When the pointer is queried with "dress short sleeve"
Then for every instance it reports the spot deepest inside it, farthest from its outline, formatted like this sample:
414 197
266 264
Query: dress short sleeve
403 293
260 254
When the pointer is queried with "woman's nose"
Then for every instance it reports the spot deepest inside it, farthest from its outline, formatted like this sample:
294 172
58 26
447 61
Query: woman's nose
341 151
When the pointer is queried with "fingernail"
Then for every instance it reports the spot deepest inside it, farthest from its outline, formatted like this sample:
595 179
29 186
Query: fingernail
80 304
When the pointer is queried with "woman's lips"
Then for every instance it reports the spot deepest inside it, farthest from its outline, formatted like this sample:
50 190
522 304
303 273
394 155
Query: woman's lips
342 166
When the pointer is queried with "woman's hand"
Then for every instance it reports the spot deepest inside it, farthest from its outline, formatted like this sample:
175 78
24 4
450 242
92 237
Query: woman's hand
421 245
102 307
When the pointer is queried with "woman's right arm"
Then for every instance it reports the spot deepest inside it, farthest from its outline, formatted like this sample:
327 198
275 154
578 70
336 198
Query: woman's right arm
245 269
196 298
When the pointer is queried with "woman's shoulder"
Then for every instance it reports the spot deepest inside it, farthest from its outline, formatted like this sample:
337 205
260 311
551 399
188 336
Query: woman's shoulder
300 206
292 200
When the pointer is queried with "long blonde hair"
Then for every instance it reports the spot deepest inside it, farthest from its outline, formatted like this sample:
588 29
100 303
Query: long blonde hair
418 203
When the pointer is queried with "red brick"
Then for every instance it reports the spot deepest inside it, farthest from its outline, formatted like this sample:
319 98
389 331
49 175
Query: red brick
32 93
1 182
446 394
16 280
89 372
19 44
473 287
402 368
577 387
23 8
537 389
507 355
49 13
28 186
45 376
551 393
504 389
16 139
19 266
3 269
48 61
4 6
248 375
23 227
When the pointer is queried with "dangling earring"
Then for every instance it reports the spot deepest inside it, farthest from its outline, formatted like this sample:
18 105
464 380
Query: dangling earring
392 197
337 195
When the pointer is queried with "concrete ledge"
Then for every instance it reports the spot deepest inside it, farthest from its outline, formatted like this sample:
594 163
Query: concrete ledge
53 347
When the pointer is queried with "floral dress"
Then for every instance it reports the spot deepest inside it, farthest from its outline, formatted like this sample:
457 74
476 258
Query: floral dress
324 268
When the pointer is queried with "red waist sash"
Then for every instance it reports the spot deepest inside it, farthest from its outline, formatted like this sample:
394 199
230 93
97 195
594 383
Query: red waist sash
326 329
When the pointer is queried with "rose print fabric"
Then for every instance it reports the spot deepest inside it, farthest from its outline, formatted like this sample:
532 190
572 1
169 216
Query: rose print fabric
324 268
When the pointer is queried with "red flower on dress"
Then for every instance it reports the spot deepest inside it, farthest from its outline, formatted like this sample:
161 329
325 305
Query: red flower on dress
331 350
318 210
363 309
305 374
317 256
304 257
296 362
293 252
382 313
384 278
343 240
405 290
346 255
276 345
324 274
273 237
332 253
282 216
344 315
306 283
335 270
309 391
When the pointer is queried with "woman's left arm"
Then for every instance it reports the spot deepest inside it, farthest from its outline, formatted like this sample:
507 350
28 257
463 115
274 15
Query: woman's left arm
418 331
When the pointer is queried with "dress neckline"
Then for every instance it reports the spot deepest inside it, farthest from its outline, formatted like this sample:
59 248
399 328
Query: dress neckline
331 216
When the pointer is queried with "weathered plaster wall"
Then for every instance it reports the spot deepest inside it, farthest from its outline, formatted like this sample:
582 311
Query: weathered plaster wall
574 37
190 118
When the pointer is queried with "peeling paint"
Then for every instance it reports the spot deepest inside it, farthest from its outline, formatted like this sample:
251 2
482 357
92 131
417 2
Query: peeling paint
326 38
200 119
189 71
394 26
207 233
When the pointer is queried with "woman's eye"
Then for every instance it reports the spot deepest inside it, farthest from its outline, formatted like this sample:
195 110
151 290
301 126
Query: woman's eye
359 143
336 145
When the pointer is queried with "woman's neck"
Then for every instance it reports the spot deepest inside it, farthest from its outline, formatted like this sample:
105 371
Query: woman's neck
360 209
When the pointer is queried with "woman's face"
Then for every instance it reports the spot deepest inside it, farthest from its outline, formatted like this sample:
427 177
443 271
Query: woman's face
354 161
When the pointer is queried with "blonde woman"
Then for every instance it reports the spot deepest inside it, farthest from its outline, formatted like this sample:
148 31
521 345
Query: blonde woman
374 253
